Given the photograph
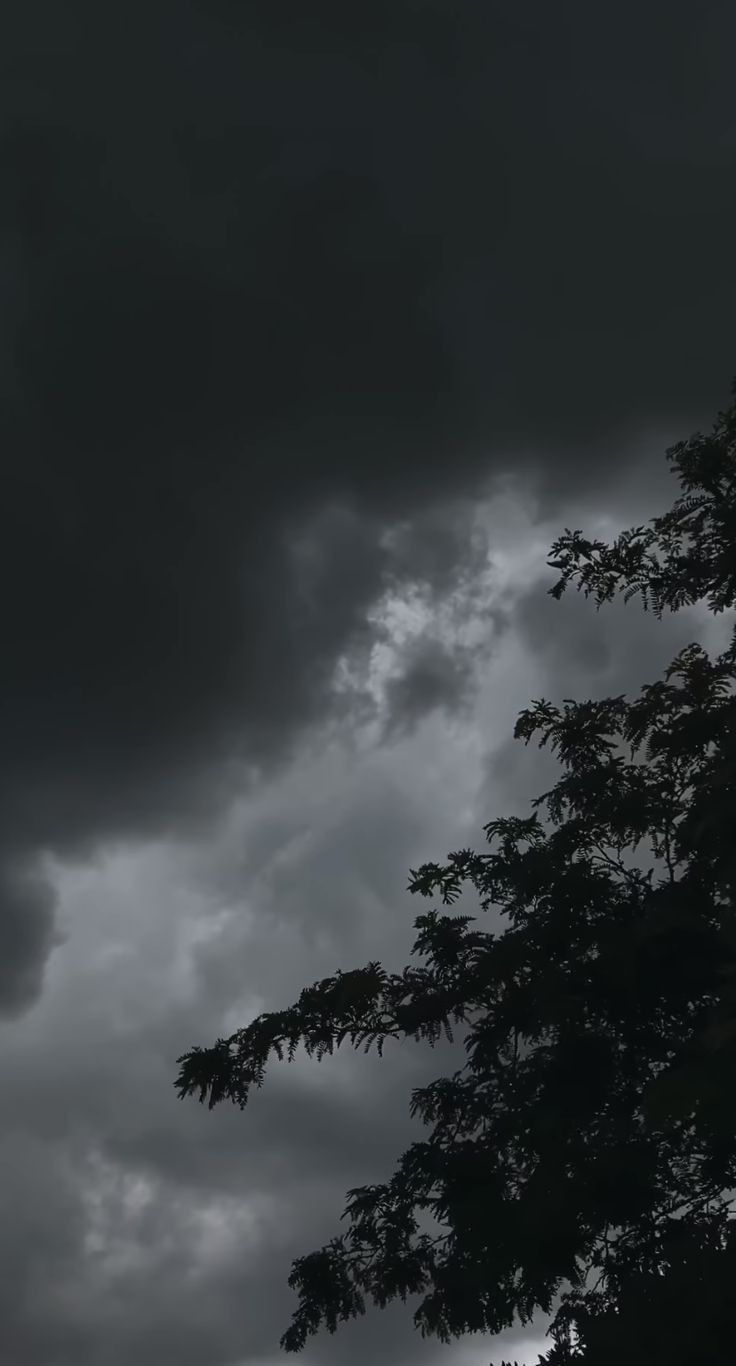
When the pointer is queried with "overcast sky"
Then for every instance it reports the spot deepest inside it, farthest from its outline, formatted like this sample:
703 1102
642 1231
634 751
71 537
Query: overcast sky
320 320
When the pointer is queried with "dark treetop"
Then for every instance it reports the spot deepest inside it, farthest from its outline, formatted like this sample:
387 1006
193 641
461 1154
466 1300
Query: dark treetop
580 1162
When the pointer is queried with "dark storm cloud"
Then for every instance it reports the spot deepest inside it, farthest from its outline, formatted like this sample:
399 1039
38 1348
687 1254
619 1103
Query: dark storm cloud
27 934
434 677
614 650
259 260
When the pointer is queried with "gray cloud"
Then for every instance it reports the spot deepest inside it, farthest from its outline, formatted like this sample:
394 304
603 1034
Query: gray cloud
170 1231
613 650
433 677
27 935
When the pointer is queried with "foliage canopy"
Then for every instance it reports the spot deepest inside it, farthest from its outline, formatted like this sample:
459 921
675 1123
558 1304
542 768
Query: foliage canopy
581 1161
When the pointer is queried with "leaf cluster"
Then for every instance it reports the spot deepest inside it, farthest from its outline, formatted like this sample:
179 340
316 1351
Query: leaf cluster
687 555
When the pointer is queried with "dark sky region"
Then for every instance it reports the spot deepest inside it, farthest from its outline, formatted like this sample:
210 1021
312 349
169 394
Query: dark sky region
319 321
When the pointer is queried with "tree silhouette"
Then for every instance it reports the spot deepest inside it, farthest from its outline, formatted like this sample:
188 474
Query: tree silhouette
581 1161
